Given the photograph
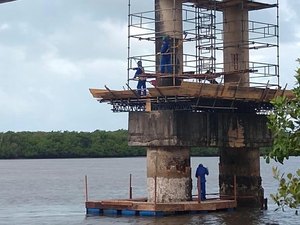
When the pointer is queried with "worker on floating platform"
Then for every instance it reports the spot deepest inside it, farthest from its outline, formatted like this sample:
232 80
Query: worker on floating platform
141 85
165 58
200 174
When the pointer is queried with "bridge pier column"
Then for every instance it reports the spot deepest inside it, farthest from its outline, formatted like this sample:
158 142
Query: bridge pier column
244 163
169 174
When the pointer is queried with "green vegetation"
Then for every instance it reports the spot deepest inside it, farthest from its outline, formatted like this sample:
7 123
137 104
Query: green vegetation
284 122
33 145
201 151
66 145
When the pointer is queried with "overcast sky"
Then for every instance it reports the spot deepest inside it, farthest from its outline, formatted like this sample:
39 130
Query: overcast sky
52 52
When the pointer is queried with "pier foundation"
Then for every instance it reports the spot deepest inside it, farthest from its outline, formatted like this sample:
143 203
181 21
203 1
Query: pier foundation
169 174
244 163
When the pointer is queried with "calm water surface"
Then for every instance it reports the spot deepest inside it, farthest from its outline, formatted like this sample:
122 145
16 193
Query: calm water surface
51 191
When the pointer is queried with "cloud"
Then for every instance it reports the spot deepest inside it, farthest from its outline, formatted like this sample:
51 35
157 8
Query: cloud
4 26
61 68
288 63
289 19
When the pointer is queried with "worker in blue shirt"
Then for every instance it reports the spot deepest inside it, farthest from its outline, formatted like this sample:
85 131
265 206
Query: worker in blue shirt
201 172
141 86
165 58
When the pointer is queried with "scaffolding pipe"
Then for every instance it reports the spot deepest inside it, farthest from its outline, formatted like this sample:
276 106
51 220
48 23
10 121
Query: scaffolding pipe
130 186
86 188
128 43
278 59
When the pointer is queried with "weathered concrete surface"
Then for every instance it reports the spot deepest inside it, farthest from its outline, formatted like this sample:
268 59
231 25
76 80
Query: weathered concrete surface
236 46
168 16
169 134
245 164
169 174
176 128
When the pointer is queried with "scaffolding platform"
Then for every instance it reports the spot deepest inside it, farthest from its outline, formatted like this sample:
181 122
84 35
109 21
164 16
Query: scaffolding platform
194 97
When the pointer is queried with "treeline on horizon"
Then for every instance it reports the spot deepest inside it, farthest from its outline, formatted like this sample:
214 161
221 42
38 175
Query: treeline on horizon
67 144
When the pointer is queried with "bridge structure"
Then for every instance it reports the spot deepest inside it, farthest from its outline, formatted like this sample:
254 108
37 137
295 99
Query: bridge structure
224 74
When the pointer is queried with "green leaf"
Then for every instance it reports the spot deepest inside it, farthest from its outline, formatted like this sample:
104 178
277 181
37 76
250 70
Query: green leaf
289 176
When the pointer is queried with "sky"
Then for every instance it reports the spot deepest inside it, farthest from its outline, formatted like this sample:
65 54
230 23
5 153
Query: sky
52 52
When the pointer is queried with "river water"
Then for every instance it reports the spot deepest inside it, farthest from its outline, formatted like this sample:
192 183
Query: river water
51 191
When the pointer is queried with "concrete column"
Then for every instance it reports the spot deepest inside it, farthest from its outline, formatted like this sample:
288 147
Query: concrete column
169 174
236 47
245 164
168 15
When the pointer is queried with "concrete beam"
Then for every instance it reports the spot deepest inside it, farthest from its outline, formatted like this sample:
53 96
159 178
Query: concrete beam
178 128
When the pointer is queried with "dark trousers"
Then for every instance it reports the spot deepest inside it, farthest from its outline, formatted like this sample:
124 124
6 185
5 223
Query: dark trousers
165 64
203 191
141 86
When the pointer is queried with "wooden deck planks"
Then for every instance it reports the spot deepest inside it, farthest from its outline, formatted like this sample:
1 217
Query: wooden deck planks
208 205
198 90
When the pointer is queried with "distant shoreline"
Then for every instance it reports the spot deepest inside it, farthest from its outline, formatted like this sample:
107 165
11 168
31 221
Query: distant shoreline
71 144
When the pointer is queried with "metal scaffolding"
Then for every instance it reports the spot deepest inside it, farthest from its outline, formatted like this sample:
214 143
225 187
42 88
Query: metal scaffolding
222 57
203 43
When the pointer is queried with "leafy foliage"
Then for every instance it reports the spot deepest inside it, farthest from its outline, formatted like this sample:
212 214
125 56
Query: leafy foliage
284 122
289 189
285 125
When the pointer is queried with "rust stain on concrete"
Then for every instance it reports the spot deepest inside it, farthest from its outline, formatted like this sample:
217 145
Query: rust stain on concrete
236 138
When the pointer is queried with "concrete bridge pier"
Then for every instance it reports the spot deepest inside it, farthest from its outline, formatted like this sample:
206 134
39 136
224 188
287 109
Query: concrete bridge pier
168 161
169 174
168 16
244 163
236 43
168 136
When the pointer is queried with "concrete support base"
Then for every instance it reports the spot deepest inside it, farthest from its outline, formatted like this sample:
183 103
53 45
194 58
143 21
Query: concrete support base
169 174
245 164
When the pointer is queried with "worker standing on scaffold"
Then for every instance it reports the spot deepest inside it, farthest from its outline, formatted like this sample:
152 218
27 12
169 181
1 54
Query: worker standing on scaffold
141 85
165 58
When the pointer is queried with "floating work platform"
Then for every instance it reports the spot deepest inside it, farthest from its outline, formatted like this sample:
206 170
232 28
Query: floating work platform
140 207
